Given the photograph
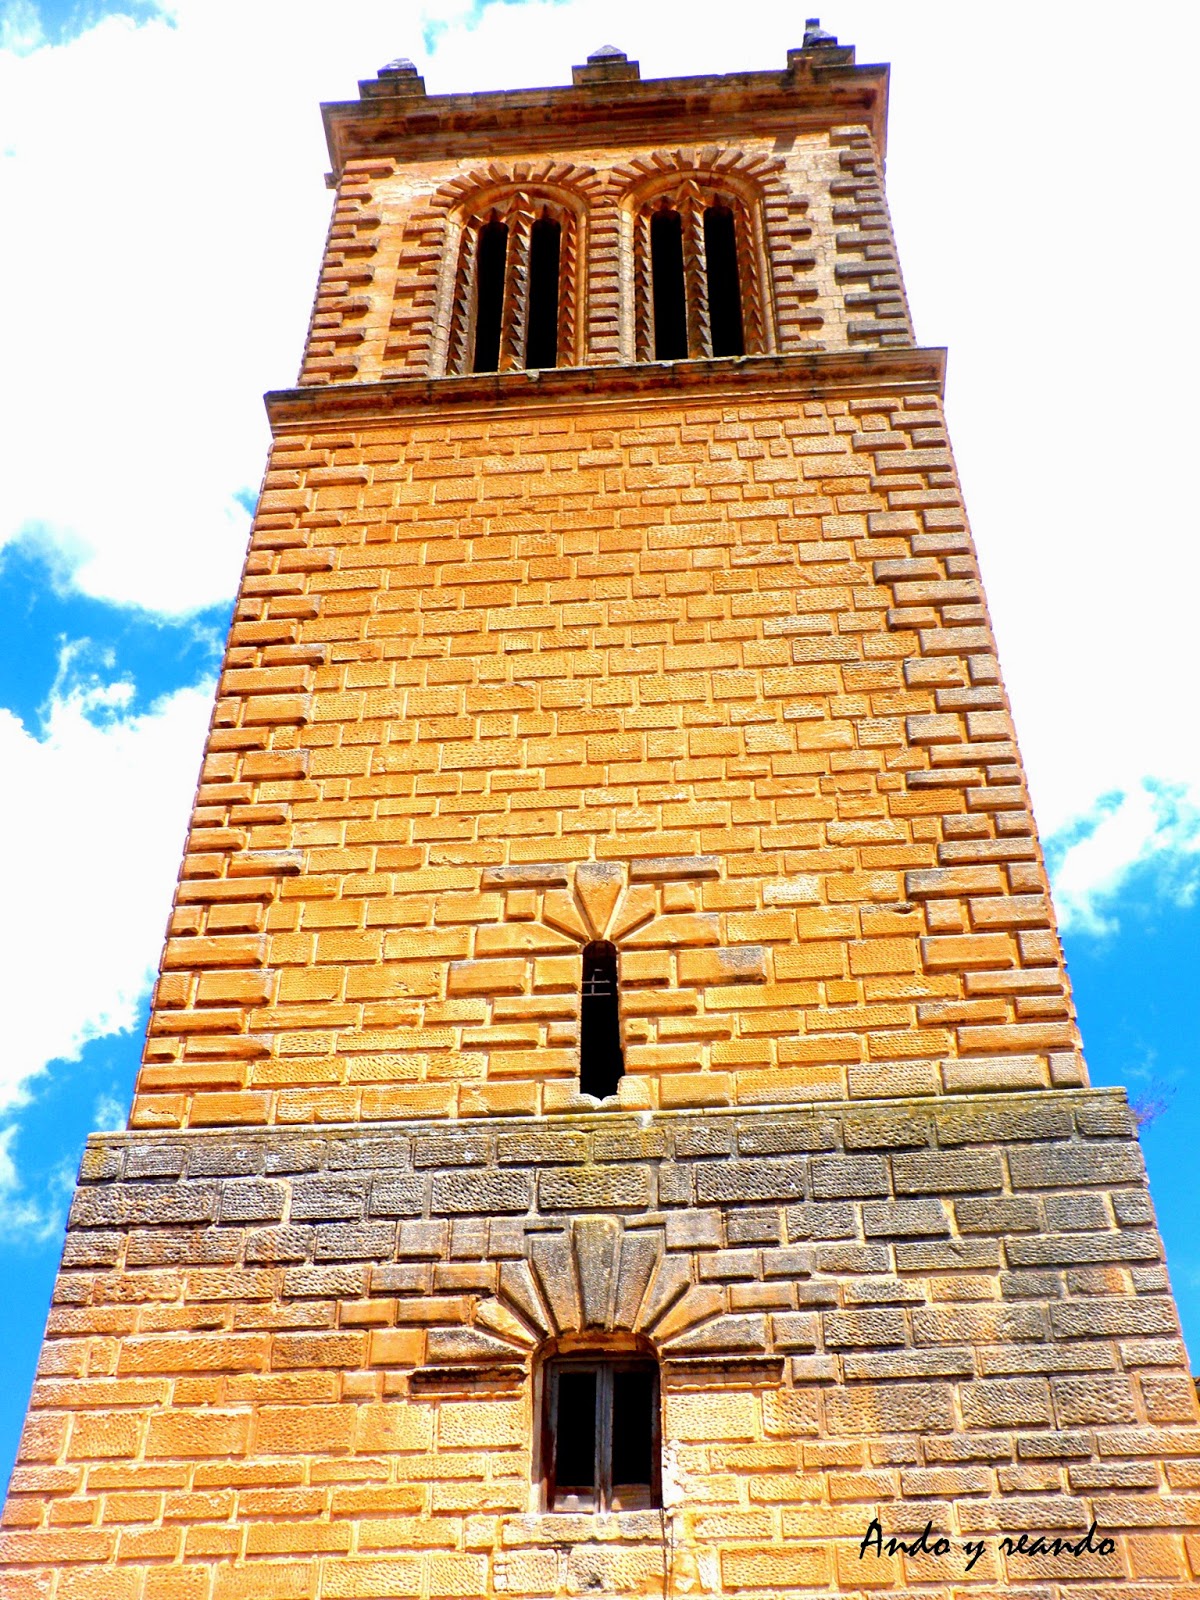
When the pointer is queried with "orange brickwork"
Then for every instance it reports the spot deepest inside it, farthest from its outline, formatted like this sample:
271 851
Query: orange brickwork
691 658
732 653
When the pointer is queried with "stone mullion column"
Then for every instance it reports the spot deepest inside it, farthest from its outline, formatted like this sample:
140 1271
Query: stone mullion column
462 311
754 320
695 277
643 289
515 313
602 262
569 288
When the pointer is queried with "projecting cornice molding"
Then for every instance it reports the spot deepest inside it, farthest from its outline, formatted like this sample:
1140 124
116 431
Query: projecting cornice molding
395 120
814 375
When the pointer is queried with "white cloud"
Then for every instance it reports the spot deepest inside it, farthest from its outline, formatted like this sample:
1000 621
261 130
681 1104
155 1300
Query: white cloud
131 414
95 811
25 1218
109 1115
1152 826
20 27
173 222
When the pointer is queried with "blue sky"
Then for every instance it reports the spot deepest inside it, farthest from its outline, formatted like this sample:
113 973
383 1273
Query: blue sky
61 20
133 440
56 643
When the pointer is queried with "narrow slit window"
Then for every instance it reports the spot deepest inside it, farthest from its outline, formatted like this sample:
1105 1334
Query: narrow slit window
545 243
601 1444
489 295
601 1060
724 290
666 272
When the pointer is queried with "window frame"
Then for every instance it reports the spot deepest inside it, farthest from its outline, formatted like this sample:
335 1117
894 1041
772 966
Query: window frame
518 210
603 1497
692 194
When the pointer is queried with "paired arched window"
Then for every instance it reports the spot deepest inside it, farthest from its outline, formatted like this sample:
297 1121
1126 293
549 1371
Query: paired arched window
517 296
697 291
514 299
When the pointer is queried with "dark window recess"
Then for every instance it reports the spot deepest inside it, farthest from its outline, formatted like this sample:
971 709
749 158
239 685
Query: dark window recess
724 291
600 1440
634 1399
489 295
575 1437
666 274
601 1062
541 344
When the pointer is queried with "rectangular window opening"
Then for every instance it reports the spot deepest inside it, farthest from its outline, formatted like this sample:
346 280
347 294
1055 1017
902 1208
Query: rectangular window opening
575 1436
545 244
602 1443
489 295
634 1409
724 289
666 273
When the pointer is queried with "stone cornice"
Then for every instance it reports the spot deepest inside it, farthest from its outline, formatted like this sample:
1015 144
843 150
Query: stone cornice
409 127
820 374
608 1116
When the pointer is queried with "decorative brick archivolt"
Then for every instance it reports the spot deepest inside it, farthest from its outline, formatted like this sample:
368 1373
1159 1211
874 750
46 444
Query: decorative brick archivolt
517 196
690 181
461 193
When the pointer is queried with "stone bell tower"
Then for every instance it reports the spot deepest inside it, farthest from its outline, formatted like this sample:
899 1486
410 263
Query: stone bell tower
612 1120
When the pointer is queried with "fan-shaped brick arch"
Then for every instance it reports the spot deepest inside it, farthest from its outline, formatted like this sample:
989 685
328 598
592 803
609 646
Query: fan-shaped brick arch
776 288
460 192
597 1276
588 294
650 910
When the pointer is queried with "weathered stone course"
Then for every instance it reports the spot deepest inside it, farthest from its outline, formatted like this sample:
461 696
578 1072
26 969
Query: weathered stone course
913 1313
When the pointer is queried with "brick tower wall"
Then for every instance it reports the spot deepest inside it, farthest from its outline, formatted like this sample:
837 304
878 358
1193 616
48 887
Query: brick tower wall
696 660
734 655
702 658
